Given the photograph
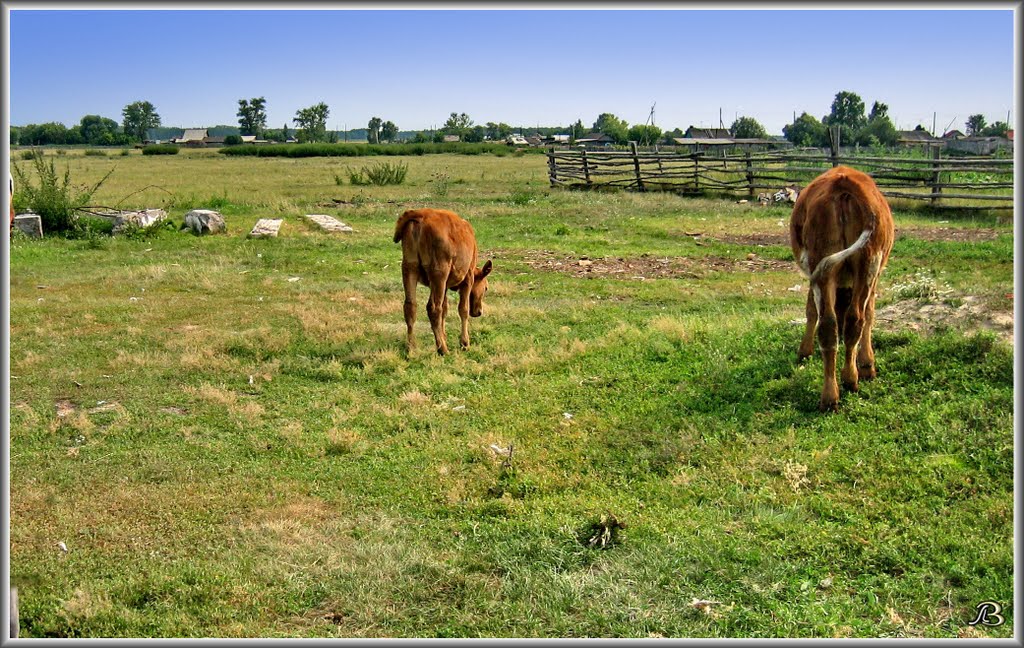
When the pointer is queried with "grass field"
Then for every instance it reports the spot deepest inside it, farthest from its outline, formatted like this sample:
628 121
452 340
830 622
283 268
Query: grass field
228 437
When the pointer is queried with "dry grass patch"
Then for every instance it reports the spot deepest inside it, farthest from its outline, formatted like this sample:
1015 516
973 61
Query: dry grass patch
248 410
329 325
671 327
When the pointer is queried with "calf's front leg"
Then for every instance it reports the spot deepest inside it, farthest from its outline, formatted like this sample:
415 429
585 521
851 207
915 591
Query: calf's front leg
464 292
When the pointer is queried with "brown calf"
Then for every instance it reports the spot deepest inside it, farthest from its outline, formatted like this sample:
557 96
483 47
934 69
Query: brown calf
439 251
841 232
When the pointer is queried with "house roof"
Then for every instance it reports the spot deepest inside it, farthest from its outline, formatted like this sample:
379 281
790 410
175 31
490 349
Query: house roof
704 141
595 137
215 139
248 138
916 136
451 138
193 135
952 133
695 132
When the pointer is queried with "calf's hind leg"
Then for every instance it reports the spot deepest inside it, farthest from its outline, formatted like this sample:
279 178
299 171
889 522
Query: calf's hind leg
807 344
828 338
409 275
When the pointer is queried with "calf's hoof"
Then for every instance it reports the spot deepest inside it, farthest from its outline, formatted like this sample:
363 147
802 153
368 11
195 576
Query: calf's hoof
828 405
852 387
441 351
867 372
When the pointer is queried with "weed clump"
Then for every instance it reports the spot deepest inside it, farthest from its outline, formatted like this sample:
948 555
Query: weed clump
54 198
380 174
602 534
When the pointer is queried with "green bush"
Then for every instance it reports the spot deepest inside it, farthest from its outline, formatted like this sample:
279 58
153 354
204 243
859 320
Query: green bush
380 174
96 152
232 140
160 149
355 150
54 198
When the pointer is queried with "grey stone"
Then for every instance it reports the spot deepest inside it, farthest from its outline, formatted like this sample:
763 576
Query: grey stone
329 223
266 227
205 221
29 223
143 218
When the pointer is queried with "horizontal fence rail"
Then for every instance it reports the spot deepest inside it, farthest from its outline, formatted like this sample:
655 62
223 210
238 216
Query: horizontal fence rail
965 183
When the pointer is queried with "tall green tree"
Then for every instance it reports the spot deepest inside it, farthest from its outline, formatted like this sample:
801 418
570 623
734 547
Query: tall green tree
748 127
388 131
474 134
847 112
975 124
457 124
373 130
498 131
644 134
138 117
878 111
252 116
806 130
312 122
612 126
996 129
577 130
879 129
101 131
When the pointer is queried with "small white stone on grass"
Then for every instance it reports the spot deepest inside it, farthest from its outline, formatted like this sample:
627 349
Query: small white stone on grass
266 228
329 223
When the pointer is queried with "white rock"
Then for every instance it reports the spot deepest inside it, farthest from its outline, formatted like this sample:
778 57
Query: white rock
266 227
329 223
205 221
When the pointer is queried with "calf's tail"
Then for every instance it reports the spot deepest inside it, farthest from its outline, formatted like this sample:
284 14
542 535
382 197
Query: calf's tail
410 216
848 193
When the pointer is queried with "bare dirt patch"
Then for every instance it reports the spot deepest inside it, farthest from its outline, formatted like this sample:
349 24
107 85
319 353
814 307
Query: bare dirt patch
969 314
937 233
951 234
641 267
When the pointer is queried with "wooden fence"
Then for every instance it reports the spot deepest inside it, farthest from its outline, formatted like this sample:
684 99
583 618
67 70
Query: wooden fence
963 183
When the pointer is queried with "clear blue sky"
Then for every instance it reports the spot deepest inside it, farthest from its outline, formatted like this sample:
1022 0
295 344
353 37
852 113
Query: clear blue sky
518 66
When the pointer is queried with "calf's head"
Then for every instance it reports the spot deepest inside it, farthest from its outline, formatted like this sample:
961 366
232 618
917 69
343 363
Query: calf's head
476 296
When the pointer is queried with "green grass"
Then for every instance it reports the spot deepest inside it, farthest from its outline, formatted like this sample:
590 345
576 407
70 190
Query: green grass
242 455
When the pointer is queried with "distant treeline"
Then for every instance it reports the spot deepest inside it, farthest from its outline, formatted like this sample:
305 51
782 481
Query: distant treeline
354 150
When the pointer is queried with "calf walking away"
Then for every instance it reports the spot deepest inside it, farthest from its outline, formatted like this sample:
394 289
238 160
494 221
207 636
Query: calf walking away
841 232
439 251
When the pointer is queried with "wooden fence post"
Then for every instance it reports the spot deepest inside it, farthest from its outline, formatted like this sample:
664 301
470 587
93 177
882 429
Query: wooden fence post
833 140
586 167
636 167
696 171
936 177
552 172
750 177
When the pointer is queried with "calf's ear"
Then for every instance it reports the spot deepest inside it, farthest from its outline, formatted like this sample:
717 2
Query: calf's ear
486 270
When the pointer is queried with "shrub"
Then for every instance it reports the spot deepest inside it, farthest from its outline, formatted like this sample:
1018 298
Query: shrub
232 140
160 149
380 174
353 150
96 152
54 199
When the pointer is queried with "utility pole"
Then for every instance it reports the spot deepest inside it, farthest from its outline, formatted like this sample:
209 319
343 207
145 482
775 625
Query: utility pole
933 124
